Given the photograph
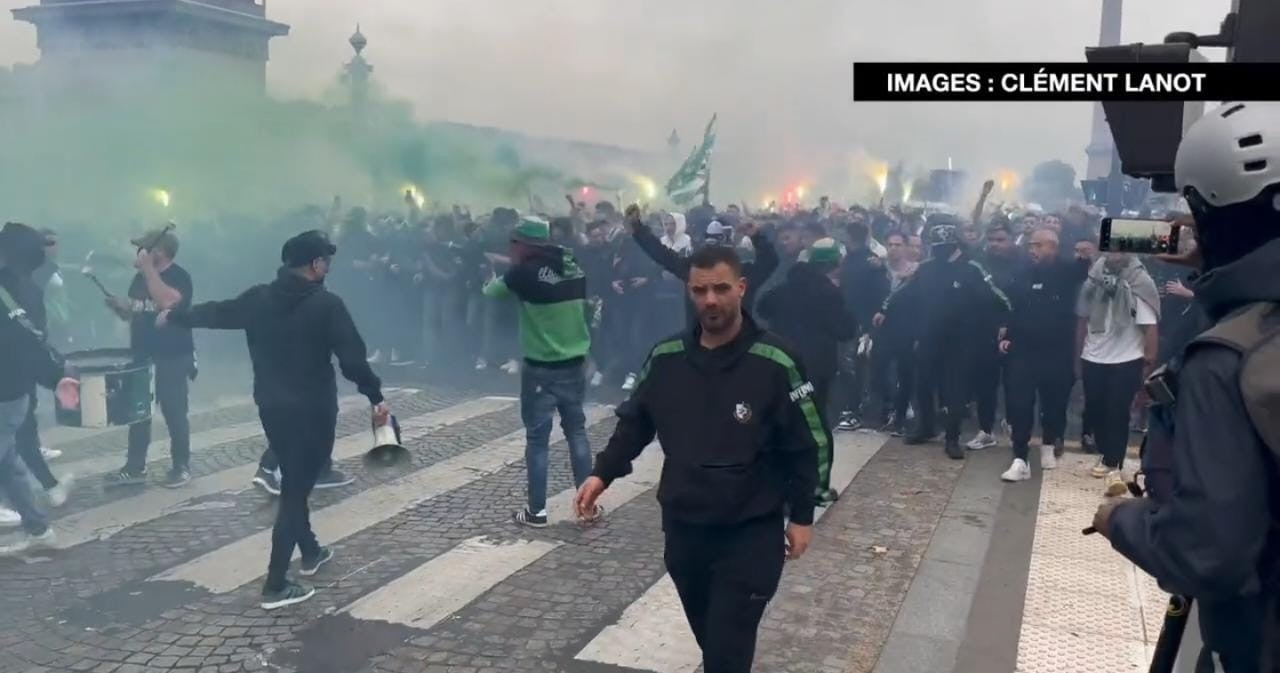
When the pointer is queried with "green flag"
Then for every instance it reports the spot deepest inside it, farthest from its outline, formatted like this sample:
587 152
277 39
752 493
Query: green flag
694 175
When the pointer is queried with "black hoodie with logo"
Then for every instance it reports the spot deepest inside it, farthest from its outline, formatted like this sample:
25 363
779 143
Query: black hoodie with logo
294 327
738 425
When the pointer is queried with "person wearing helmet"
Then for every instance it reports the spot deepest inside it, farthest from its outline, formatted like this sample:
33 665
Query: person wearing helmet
1210 529
949 301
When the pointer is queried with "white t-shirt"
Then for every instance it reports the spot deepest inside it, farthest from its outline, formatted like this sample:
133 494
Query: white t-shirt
1111 346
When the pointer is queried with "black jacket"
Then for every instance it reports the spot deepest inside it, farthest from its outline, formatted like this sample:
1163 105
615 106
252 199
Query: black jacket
864 281
1213 532
293 327
756 272
26 360
947 303
809 312
738 425
1044 306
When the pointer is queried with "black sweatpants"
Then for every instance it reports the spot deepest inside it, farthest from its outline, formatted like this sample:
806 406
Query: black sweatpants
303 441
822 399
725 576
28 446
942 381
1042 373
172 380
990 375
1108 395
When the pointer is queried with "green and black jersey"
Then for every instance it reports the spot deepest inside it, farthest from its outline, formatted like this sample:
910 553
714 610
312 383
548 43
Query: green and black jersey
553 315
738 424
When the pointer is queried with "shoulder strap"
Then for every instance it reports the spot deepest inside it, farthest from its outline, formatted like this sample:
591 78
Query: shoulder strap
17 313
1254 333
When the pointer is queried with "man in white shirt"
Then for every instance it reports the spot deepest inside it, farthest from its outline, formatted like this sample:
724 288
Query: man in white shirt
1118 341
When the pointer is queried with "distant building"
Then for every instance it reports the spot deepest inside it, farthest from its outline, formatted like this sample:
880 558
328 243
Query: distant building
113 42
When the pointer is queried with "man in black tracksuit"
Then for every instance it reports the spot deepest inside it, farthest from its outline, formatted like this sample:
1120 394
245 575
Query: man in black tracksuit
1040 347
1004 261
809 312
755 273
735 416
294 326
951 299
864 282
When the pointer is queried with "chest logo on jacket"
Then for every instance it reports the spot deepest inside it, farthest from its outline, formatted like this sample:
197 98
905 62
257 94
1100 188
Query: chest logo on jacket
546 275
742 412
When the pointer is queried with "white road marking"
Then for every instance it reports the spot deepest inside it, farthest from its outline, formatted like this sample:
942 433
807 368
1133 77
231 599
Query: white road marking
652 633
229 567
436 589
100 523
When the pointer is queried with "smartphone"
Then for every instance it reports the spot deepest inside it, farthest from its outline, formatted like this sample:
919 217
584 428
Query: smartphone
1139 237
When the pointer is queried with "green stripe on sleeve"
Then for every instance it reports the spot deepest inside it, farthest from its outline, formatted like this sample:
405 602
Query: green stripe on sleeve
664 348
807 407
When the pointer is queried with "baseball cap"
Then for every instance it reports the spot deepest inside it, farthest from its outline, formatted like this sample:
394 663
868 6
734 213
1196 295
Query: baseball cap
823 251
718 231
532 230
306 248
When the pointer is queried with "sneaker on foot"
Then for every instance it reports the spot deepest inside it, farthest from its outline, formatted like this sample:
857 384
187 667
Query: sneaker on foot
60 491
291 593
629 384
980 441
1099 470
310 567
953 449
597 379
375 358
1018 471
27 542
9 518
1048 460
511 367
1087 444
267 481
481 365
1115 486
177 478
50 454
848 423
125 478
333 479
526 518
826 498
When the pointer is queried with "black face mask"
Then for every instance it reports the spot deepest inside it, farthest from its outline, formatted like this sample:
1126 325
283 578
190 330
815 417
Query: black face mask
944 251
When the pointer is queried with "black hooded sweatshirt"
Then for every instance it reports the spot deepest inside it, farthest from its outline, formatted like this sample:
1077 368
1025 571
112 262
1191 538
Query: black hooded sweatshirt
26 359
293 327
809 312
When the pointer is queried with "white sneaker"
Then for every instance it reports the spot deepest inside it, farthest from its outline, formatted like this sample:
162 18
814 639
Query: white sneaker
1048 461
1099 470
481 365
1018 471
1115 484
59 493
27 542
9 518
597 379
511 367
50 454
375 358
981 441
629 384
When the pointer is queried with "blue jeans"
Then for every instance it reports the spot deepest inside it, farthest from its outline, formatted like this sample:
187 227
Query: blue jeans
14 485
543 391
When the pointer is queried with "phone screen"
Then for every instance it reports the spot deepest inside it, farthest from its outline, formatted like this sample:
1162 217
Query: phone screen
1138 237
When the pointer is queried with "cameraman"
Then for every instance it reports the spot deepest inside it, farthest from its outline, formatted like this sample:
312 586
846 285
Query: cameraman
1211 528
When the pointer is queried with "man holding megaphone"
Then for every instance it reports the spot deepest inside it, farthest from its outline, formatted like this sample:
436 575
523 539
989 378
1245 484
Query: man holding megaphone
294 327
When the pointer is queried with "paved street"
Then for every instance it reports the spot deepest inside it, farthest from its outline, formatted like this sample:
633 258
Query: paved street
924 564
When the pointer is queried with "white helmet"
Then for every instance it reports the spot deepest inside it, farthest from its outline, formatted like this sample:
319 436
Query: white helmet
1231 154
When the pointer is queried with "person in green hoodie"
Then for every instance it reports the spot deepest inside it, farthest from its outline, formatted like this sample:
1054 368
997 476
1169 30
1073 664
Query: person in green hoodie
554 341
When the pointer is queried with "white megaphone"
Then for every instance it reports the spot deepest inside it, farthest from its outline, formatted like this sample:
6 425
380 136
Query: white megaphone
387 449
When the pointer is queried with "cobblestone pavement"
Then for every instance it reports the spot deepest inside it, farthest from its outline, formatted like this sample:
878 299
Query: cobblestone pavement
430 572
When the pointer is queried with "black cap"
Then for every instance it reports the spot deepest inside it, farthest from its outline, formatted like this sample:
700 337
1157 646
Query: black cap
306 248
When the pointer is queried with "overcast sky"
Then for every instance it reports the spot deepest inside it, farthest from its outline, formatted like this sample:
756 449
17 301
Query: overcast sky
776 71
